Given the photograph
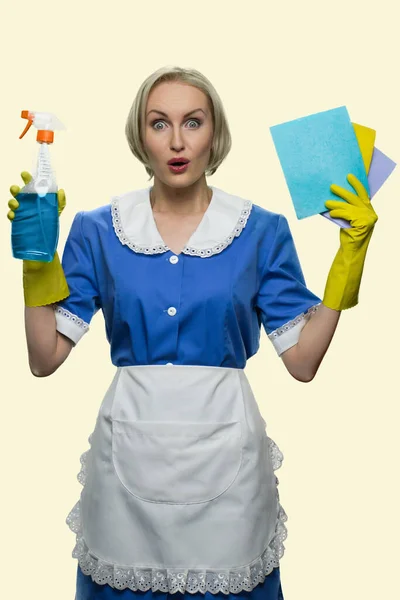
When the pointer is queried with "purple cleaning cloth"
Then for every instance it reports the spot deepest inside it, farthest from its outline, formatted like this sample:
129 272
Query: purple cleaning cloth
380 169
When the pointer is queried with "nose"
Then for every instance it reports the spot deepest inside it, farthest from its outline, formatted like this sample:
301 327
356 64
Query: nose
176 139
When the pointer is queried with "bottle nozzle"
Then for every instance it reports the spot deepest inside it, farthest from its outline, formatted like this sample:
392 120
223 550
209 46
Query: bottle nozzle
46 123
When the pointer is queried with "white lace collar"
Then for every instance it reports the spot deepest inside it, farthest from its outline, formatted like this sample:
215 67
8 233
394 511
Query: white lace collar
134 224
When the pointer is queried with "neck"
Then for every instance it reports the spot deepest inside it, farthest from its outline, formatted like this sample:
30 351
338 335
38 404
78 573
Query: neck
190 200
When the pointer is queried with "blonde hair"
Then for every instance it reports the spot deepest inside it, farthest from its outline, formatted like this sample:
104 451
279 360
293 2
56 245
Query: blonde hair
222 141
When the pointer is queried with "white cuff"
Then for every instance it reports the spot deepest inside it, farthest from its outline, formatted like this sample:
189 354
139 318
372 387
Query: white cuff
288 334
69 324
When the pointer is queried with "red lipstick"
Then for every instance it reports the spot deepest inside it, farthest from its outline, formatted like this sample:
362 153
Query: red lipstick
179 164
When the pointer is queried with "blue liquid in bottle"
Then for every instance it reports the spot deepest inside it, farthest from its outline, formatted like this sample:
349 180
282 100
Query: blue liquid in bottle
35 227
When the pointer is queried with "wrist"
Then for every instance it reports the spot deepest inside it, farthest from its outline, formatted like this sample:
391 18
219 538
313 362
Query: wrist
38 265
44 283
344 278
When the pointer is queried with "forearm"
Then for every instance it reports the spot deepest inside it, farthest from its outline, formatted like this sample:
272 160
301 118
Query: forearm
41 337
303 359
316 337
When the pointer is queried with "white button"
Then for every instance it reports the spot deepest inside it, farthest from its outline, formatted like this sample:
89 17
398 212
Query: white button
170 364
172 311
173 259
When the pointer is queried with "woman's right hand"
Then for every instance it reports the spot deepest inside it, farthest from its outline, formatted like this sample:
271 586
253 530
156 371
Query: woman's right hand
44 282
13 204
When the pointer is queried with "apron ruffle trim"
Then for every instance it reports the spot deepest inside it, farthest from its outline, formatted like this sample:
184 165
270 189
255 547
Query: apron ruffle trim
180 580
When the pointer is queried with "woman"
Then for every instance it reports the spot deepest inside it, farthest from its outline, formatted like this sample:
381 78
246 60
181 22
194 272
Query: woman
179 492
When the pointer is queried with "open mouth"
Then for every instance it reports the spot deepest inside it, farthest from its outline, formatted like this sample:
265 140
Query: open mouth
178 166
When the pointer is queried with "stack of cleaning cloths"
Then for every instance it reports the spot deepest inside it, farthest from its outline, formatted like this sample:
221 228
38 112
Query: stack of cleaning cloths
322 149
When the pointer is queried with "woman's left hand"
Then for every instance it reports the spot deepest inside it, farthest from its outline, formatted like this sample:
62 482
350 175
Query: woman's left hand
357 209
344 278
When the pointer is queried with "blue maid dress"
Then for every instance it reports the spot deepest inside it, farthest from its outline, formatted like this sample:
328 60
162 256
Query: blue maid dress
179 492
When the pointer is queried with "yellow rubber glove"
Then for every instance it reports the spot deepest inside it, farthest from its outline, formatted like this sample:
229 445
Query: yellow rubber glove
344 277
44 283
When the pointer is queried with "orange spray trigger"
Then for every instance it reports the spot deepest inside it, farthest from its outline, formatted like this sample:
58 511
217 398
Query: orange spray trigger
25 115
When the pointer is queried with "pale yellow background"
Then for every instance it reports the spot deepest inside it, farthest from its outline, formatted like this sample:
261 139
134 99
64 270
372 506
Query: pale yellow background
270 62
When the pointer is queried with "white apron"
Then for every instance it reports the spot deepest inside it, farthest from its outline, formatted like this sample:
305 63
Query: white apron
179 491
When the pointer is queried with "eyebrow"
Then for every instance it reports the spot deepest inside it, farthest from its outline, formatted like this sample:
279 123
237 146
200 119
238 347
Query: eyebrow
165 114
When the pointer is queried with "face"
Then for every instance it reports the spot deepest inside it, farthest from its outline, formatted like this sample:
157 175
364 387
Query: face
176 133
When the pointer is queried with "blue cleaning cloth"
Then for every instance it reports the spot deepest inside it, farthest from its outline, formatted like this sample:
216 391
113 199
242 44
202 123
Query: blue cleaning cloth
314 152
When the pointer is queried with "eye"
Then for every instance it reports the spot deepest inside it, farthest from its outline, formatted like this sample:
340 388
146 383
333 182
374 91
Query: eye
156 122
195 121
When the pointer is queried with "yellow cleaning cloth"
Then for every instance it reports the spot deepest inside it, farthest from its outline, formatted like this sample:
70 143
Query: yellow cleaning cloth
366 140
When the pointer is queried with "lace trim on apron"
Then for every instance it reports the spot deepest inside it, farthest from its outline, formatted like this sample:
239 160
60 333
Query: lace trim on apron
180 580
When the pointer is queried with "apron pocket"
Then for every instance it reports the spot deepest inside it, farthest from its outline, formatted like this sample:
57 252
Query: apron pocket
176 462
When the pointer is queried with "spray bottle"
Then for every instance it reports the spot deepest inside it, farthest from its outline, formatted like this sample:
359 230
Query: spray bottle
35 227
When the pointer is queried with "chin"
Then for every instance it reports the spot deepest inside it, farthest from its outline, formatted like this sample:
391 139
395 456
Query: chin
181 180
